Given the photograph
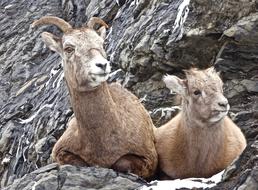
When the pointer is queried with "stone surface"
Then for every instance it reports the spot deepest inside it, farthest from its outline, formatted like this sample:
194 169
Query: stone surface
69 177
146 39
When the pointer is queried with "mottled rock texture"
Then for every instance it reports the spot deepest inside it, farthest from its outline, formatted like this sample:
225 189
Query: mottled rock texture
147 38
69 177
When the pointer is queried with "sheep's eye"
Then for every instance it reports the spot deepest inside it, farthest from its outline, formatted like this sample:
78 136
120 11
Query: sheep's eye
197 92
69 49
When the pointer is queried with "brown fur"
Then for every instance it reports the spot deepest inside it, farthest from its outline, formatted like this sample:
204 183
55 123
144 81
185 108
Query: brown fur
122 128
111 128
190 145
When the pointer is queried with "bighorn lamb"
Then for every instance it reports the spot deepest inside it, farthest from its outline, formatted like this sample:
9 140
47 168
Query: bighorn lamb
111 128
201 140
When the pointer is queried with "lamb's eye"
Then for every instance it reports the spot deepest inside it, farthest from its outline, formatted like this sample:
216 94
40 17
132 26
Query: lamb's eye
197 92
69 49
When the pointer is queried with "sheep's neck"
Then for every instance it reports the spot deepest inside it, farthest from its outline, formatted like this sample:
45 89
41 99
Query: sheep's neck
197 130
203 142
94 109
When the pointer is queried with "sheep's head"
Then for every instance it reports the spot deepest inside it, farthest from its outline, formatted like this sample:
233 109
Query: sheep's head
202 94
84 58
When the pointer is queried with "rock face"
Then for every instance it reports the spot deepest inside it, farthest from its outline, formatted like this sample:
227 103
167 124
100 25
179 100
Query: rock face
69 177
147 39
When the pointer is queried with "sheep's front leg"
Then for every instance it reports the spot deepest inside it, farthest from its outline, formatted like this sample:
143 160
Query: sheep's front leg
133 164
65 148
66 157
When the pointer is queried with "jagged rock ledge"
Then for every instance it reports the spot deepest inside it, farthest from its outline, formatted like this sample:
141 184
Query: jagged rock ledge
69 177
145 41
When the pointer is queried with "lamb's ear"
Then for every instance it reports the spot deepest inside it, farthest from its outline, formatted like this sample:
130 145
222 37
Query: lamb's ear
175 84
102 32
53 42
211 70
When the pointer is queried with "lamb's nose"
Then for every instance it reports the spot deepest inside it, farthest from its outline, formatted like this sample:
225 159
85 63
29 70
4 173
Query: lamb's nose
103 66
223 104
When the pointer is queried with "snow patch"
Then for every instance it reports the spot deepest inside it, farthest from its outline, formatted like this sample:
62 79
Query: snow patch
184 183
109 33
195 32
166 109
23 121
53 72
144 98
114 73
182 14
57 81
34 185
6 160
166 112
128 76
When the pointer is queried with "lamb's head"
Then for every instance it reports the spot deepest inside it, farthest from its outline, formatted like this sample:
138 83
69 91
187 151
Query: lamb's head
202 94
84 58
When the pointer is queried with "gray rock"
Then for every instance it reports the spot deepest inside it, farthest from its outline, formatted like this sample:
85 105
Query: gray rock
245 29
146 39
243 173
71 177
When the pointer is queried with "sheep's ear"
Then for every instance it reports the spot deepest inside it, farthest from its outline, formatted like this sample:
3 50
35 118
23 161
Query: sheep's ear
211 70
175 84
102 32
53 42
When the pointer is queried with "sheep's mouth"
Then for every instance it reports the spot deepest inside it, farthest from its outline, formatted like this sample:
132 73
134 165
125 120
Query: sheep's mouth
220 111
218 115
217 112
100 74
98 78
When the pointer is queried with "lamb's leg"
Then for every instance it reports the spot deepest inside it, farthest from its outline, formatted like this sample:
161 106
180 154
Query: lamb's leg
133 164
66 157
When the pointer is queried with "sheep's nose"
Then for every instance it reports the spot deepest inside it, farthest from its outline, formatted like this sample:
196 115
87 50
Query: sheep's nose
103 66
223 103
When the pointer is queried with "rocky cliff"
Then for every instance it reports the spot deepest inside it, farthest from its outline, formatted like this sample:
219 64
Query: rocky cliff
147 38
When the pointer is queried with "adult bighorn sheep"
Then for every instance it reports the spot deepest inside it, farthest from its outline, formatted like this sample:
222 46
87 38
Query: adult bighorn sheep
201 140
111 128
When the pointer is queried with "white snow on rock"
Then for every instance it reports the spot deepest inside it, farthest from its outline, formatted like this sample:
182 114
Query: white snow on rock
184 183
